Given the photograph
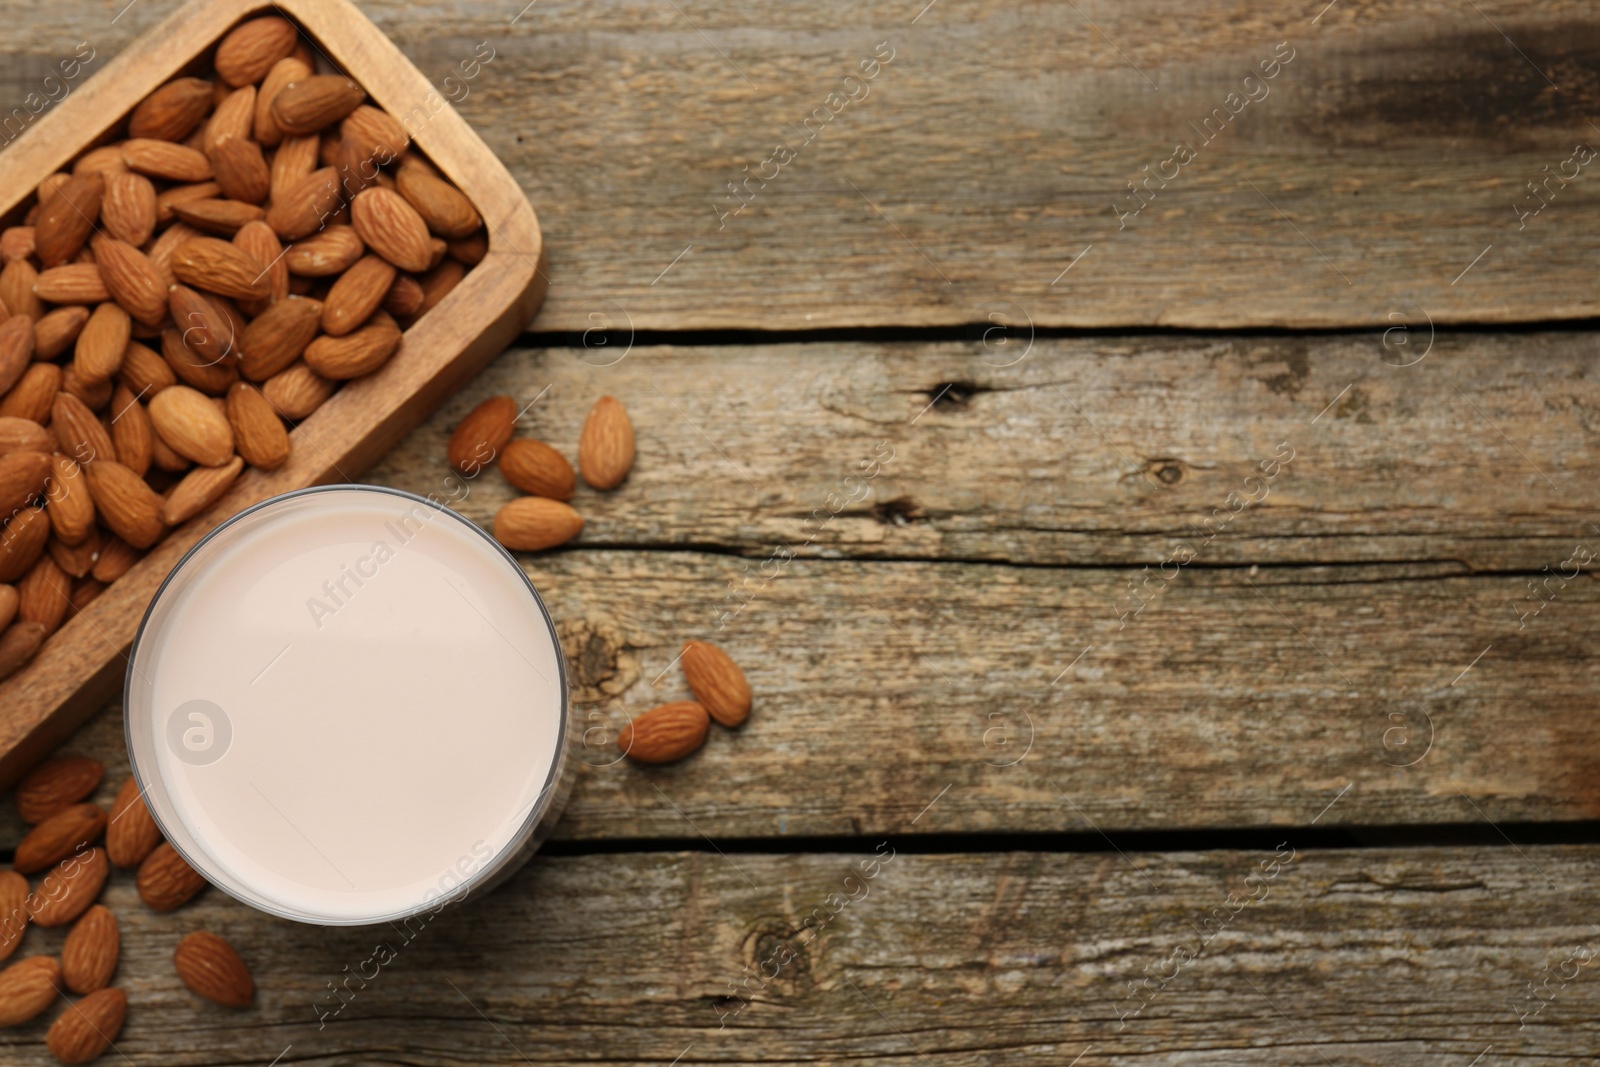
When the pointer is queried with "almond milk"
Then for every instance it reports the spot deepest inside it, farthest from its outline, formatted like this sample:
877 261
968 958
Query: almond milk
347 704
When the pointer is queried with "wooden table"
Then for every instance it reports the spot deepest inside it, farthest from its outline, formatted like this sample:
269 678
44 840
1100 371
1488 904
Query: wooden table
1209 644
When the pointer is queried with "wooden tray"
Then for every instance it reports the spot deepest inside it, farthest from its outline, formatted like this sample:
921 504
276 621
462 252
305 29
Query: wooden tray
81 666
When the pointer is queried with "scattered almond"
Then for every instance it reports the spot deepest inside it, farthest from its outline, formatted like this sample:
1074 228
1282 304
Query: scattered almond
87 1028
70 887
89 954
58 837
605 449
535 467
13 911
665 733
27 988
479 437
166 881
131 833
532 524
211 969
716 682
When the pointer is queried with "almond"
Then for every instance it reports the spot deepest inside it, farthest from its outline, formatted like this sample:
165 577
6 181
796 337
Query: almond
58 837
27 988
307 206
532 524
198 490
166 881
190 424
68 890
173 111
58 330
391 227
535 467
131 433
116 557
437 283
16 350
258 433
84 593
89 954
297 391
95 396
332 251
220 267
204 328
76 560
374 135
55 786
13 915
404 298
211 969
8 604
44 594
125 502
278 337
256 240
355 295
283 72
104 161
716 682
79 432
16 242
64 223
362 352
26 534
72 283
165 160
307 105
132 832
23 435
442 206
128 209
18 645
32 397
471 250
88 1027
241 170
605 449
132 280
665 733
168 201
70 509
211 376
251 48
223 217
23 476
104 339
293 162
234 117
17 279
479 437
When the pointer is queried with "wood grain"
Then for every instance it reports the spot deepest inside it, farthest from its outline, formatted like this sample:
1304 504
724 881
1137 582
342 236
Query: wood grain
81 666
988 154
1421 957
1086 451
1239 697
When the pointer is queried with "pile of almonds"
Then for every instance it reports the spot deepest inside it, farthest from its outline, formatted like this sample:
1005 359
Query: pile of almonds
66 845
235 248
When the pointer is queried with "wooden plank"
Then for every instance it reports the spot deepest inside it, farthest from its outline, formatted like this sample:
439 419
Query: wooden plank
1021 699
1422 957
1086 451
998 145
81 666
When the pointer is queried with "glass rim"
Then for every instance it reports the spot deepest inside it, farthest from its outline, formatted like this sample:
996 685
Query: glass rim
509 857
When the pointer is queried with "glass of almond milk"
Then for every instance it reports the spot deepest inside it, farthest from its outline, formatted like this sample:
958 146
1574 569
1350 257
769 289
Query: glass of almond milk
347 705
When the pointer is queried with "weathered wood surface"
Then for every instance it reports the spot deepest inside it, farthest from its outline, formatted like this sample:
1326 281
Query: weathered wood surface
1421 957
1237 698
987 155
1084 451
